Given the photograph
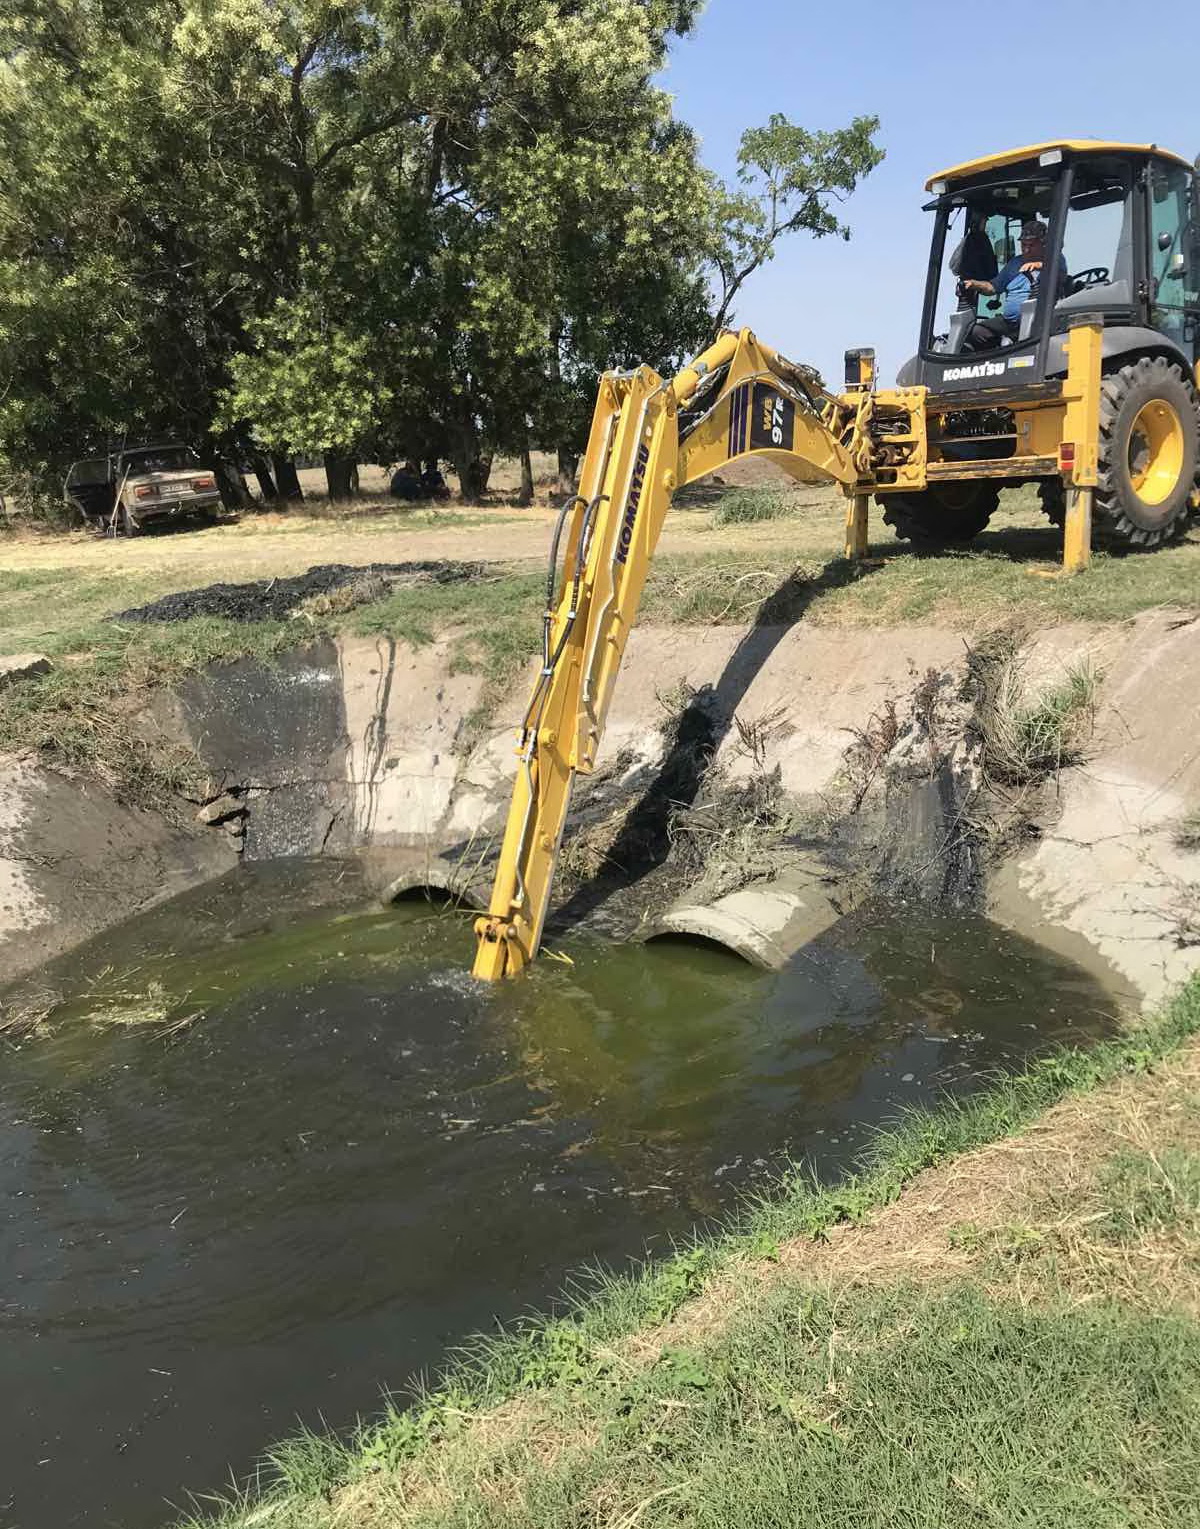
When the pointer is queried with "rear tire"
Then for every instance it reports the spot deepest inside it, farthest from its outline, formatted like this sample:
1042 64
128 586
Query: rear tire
943 515
1149 428
1052 496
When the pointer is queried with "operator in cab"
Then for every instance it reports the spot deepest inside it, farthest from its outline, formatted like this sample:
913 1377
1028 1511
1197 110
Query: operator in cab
1014 283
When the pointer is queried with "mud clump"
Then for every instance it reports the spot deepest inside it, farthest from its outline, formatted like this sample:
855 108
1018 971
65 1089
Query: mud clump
274 599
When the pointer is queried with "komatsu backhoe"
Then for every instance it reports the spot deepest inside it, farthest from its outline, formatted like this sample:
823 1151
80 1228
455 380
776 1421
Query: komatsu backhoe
1076 371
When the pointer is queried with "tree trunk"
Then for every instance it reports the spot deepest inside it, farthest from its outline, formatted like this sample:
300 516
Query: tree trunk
568 467
472 465
473 472
341 474
266 483
234 493
287 479
525 493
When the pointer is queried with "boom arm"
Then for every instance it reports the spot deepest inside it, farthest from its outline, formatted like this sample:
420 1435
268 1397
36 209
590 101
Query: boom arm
648 437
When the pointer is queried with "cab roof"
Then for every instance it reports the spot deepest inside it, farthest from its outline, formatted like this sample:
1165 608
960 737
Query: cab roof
1032 151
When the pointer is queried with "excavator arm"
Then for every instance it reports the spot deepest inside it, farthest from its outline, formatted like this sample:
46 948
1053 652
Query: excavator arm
648 438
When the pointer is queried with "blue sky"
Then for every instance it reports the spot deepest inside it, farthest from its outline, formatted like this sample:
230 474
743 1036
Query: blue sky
947 87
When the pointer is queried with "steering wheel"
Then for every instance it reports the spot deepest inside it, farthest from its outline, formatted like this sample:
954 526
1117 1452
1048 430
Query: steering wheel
1094 276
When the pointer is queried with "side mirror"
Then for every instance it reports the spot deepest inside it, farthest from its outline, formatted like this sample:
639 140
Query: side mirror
1165 241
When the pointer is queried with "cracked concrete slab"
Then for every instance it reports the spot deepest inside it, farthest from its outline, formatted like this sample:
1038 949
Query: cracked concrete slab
1109 867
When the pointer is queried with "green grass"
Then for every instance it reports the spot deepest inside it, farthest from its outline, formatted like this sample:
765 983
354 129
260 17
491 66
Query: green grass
883 1407
495 619
64 610
1148 1191
746 506
90 715
917 1408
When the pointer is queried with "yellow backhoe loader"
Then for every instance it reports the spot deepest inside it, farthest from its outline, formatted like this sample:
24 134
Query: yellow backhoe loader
1059 346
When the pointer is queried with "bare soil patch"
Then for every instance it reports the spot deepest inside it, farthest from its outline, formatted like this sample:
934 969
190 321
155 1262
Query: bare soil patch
272 599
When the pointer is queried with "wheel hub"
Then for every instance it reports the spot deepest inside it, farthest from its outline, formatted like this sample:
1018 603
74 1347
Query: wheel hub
1156 452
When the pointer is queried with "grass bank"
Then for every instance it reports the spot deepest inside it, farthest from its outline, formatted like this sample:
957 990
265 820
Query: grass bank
992 1321
745 554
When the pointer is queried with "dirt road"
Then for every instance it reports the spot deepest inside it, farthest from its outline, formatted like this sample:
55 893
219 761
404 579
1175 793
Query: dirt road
270 545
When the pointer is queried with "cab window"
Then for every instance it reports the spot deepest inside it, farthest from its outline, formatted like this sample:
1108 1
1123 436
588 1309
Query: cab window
982 233
1174 258
1098 237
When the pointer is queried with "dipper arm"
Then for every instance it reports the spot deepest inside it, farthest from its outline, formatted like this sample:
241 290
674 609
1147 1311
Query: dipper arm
648 437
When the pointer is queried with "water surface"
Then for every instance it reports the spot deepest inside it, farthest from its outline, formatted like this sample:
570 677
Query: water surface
354 1155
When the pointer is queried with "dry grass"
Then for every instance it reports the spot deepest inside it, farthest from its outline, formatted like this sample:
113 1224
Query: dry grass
1023 1217
27 1013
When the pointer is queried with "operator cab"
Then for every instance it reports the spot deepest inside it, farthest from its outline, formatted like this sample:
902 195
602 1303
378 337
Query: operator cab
1122 241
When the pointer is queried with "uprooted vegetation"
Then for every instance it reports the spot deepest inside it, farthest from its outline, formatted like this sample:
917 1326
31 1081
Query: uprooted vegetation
1030 737
931 785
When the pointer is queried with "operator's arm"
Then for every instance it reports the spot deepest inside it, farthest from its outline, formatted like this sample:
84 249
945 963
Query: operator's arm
999 283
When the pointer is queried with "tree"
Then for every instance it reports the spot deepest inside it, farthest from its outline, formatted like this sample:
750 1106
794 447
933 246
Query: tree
791 177
472 255
405 228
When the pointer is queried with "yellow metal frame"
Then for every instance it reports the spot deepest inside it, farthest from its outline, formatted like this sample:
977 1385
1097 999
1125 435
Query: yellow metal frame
1081 431
650 436
742 398
1000 161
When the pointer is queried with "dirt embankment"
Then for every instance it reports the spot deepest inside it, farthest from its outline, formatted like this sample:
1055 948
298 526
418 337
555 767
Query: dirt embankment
731 756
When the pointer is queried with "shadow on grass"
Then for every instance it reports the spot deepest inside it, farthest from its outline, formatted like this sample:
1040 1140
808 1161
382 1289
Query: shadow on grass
1018 544
644 840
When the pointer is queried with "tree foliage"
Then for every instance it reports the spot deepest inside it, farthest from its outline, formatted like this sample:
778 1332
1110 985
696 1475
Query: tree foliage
407 227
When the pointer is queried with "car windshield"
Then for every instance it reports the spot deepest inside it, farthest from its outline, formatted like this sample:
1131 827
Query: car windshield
983 235
157 459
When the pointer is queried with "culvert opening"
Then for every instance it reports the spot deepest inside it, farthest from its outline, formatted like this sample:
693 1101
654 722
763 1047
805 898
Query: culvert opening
440 897
440 886
696 940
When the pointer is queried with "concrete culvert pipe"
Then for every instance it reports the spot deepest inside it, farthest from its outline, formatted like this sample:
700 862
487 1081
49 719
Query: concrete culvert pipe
437 881
766 923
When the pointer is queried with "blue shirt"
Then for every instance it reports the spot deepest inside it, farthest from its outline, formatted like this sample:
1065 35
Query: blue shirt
1017 285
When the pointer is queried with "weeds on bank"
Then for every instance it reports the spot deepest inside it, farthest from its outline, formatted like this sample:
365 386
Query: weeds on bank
832 1389
1187 832
1027 733
1030 739
92 714
747 506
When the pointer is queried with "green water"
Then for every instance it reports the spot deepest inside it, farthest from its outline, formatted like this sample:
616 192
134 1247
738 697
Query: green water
323 1154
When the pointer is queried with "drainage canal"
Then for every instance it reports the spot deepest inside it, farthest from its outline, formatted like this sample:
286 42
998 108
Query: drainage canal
266 1161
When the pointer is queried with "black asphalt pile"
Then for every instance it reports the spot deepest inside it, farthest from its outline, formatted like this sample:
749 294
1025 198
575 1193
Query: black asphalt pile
272 599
